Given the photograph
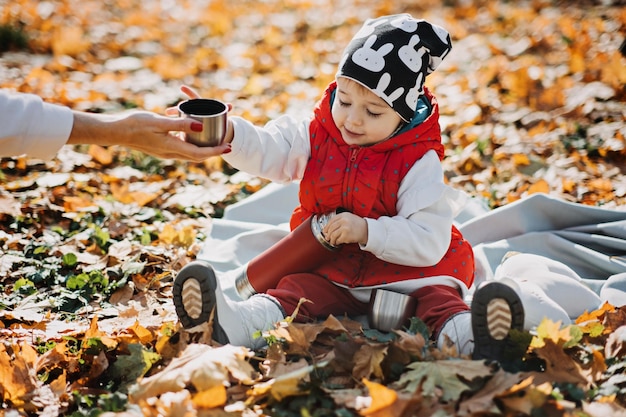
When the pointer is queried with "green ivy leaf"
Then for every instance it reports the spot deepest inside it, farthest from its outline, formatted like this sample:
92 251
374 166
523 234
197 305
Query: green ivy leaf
70 260
24 286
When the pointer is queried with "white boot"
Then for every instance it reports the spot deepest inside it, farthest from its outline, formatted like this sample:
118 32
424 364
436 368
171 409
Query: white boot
197 293
236 322
547 288
614 290
458 328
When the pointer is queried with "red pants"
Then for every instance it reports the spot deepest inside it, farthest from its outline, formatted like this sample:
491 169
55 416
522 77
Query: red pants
435 304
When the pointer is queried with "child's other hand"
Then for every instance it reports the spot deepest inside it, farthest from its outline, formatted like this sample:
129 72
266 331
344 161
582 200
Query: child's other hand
191 94
346 228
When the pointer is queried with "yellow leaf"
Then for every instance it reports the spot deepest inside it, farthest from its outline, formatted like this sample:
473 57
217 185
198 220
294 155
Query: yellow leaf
550 330
382 397
540 186
521 159
184 237
213 397
69 40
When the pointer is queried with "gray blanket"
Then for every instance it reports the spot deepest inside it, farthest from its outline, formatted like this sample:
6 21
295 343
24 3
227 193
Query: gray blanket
590 240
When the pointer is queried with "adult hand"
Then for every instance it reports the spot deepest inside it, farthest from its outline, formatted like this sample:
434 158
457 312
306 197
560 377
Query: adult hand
345 228
144 131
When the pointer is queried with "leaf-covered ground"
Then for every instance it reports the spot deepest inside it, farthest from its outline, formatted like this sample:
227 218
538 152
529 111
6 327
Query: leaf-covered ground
532 99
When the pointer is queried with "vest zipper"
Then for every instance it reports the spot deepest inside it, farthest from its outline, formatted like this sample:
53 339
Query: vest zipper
353 153
348 183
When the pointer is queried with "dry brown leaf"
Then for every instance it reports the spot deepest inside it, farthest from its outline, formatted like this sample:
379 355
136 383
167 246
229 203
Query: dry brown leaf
559 365
10 206
201 367
287 384
616 343
17 378
368 360
482 401
525 397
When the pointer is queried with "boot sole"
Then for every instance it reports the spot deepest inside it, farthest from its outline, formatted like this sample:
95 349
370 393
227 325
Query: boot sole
496 310
194 297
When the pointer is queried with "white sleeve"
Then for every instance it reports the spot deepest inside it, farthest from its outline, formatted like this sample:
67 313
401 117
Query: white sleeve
279 151
30 126
419 235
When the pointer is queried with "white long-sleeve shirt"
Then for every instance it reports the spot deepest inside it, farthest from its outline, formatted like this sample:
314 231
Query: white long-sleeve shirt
419 235
29 126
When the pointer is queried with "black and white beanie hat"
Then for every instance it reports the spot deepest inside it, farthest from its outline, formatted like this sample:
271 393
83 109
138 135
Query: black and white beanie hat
392 55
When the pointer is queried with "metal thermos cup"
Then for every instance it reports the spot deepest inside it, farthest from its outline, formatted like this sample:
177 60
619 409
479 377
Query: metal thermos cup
213 115
300 251
389 310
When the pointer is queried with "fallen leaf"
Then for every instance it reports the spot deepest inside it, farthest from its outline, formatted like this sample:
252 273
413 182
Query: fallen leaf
368 360
382 397
199 366
443 375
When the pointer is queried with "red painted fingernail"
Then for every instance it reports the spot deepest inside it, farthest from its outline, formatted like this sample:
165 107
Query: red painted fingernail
228 150
196 127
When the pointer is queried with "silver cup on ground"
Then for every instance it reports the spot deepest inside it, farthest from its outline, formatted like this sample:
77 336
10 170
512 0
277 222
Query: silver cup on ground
213 116
390 310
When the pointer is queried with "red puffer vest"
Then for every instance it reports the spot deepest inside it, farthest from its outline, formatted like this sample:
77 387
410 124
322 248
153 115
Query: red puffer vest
365 181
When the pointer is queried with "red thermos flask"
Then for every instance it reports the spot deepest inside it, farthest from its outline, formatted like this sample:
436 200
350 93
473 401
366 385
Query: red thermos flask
300 251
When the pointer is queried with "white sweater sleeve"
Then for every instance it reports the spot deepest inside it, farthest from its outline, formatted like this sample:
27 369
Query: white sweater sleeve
30 126
419 235
279 151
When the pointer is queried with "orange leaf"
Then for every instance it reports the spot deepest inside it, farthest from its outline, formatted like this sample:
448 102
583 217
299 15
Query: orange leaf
596 314
101 155
122 194
568 185
94 332
76 203
144 335
382 397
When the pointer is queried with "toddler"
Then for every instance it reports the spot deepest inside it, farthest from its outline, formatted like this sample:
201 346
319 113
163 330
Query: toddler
372 149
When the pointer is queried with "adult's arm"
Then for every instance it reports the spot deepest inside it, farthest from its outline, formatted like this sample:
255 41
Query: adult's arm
30 126
143 131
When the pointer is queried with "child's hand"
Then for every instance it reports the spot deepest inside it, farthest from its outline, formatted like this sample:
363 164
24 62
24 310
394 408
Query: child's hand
189 92
346 228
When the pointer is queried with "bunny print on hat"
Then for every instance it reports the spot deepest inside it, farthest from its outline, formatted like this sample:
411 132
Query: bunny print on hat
392 55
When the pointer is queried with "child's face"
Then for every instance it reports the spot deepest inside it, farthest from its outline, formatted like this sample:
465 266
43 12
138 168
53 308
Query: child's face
362 117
